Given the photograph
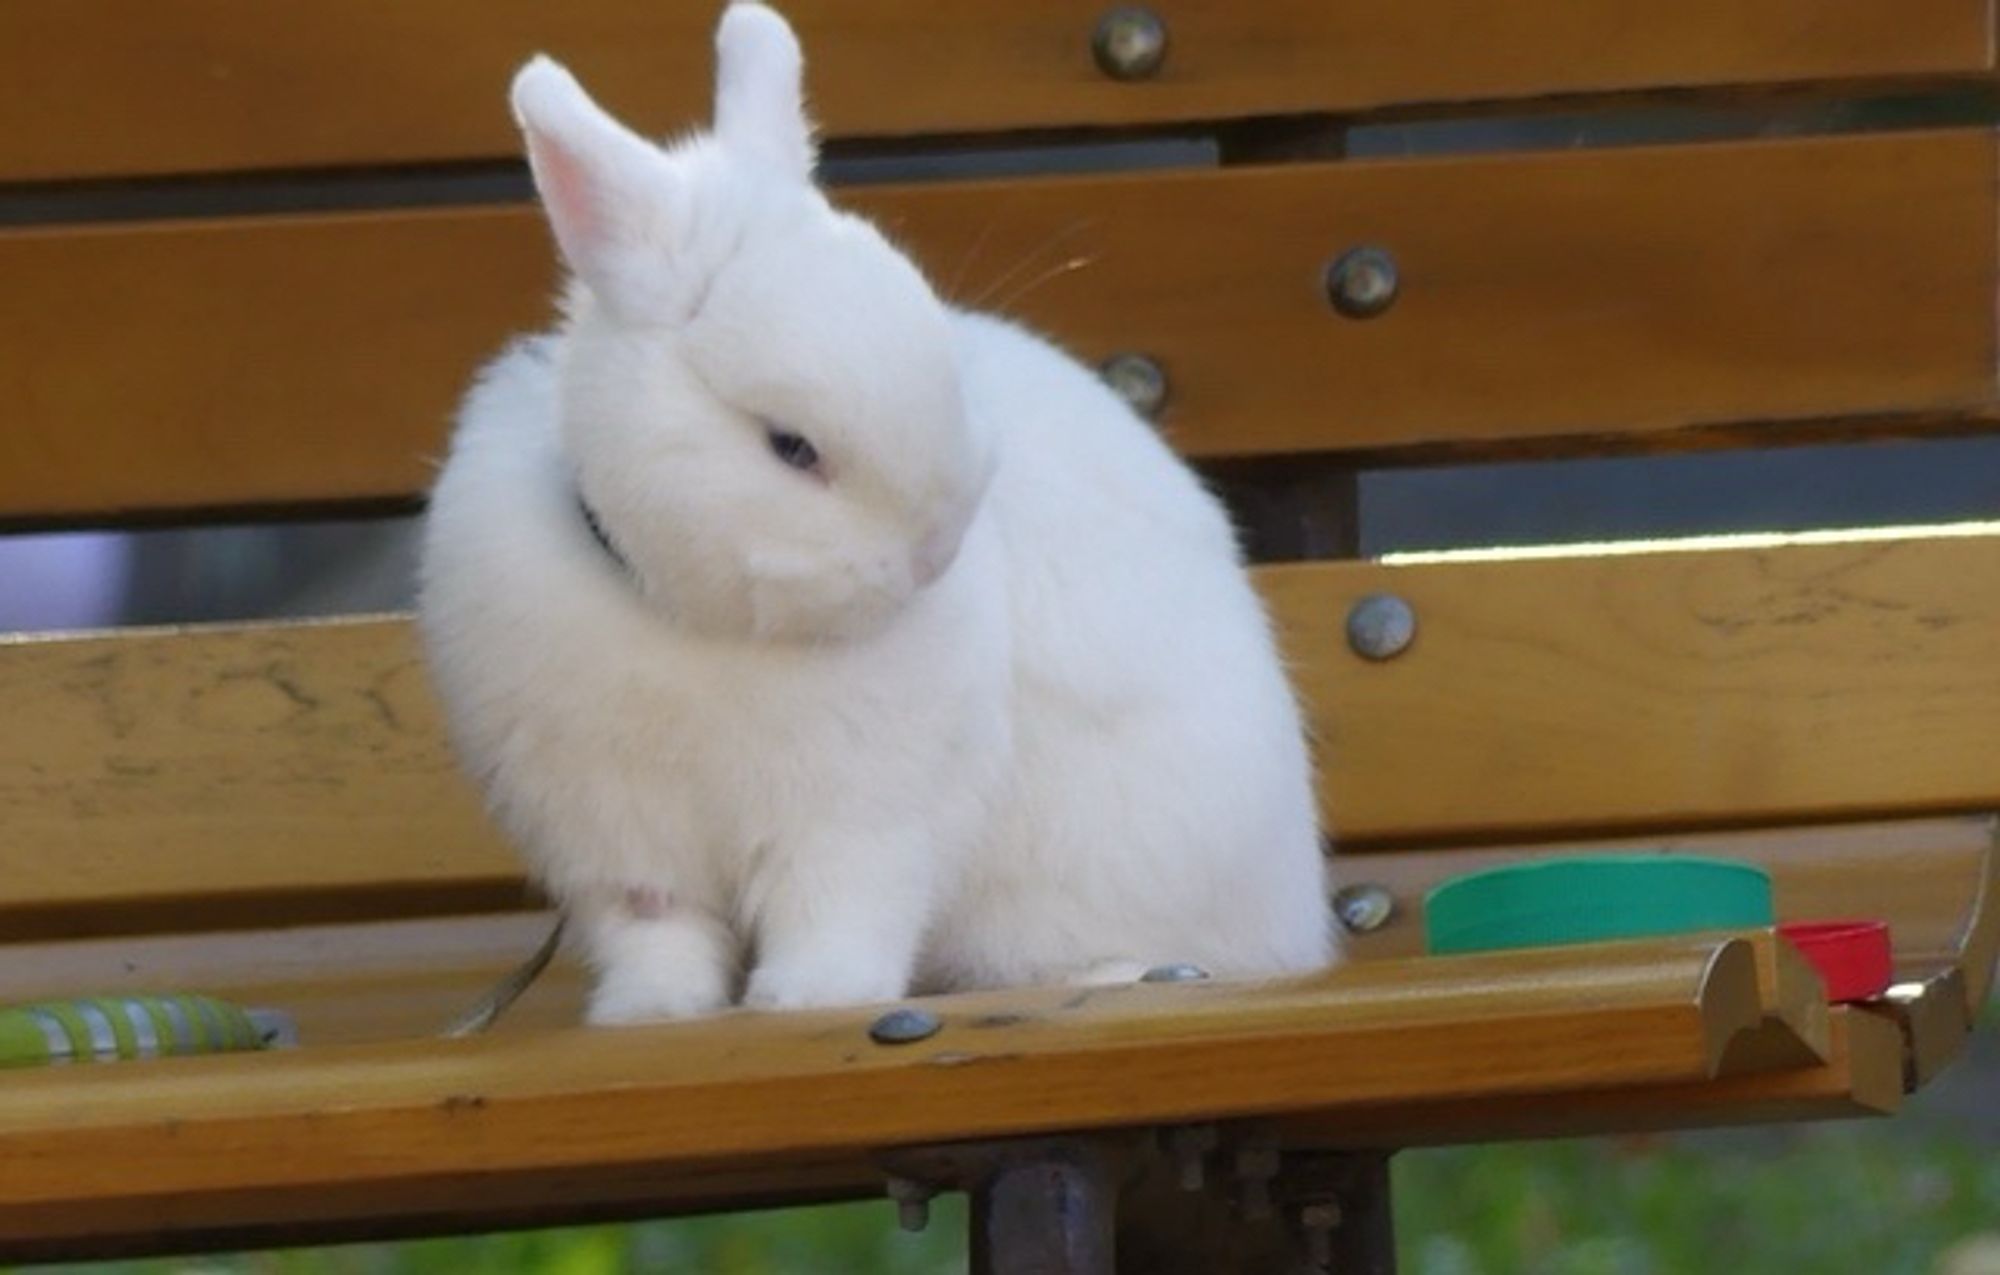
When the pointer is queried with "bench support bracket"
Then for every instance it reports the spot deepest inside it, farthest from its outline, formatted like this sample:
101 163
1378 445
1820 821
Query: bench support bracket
1196 1200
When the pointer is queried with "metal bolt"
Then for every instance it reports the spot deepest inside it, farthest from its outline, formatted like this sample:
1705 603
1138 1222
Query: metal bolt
1130 43
1182 973
903 1026
1318 1221
1364 909
1381 626
913 1203
1138 380
1190 1146
1362 282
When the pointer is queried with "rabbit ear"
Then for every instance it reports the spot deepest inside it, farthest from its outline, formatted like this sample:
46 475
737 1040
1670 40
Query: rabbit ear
759 97
605 188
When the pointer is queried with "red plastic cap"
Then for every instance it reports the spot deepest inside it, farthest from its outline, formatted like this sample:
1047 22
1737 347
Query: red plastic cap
1852 956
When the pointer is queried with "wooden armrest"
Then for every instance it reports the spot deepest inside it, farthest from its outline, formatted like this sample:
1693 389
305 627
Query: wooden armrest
774 1107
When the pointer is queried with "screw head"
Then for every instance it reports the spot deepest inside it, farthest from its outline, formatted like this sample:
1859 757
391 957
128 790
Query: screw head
1381 626
903 1027
1363 909
1130 42
1180 973
1362 282
1138 380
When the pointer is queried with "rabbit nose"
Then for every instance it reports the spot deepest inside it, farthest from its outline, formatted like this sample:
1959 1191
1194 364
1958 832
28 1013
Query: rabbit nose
934 554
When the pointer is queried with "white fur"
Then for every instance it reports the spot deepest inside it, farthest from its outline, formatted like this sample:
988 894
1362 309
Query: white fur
986 699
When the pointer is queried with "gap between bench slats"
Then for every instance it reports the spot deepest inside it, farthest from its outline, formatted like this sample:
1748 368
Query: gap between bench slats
1569 296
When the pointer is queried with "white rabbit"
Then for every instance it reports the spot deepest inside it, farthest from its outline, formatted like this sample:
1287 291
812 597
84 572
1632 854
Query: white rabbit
799 624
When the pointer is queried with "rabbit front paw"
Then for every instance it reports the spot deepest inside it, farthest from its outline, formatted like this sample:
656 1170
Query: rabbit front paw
658 959
835 980
626 996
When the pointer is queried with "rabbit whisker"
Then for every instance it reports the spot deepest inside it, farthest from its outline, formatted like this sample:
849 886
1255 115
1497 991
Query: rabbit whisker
1028 262
1006 304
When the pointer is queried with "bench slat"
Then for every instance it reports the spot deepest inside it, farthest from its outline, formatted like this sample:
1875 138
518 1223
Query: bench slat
224 1141
1567 297
130 86
201 778
1694 687
231 776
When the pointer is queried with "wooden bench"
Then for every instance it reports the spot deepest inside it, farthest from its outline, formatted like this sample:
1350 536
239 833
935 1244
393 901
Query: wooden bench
256 252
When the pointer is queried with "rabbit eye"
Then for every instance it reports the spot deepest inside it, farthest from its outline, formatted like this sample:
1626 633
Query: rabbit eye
793 449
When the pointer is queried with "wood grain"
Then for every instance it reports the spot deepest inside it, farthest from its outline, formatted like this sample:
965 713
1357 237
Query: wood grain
208 1142
251 362
157 779
230 768
1864 1077
1639 693
1622 294
127 86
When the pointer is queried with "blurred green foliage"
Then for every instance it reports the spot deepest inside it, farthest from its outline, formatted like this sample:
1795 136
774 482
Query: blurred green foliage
1832 1200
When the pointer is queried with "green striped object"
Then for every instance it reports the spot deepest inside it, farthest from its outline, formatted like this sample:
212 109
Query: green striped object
115 1028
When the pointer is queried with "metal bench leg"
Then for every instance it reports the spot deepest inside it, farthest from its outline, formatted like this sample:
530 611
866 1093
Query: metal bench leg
1040 1206
1050 1211
1364 1240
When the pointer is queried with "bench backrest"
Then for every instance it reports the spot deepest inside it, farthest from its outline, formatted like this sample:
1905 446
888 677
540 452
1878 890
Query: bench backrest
254 254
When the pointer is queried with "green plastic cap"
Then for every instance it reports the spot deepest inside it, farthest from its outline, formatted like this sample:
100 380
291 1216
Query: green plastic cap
1595 898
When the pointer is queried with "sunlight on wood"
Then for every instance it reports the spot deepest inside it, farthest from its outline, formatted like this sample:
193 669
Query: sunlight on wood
1691 544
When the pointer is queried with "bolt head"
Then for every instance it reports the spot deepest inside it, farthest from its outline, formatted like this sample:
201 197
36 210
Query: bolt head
1362 282
913 1203
1381 626
903 1027
1130 43
1363 909
1138 380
